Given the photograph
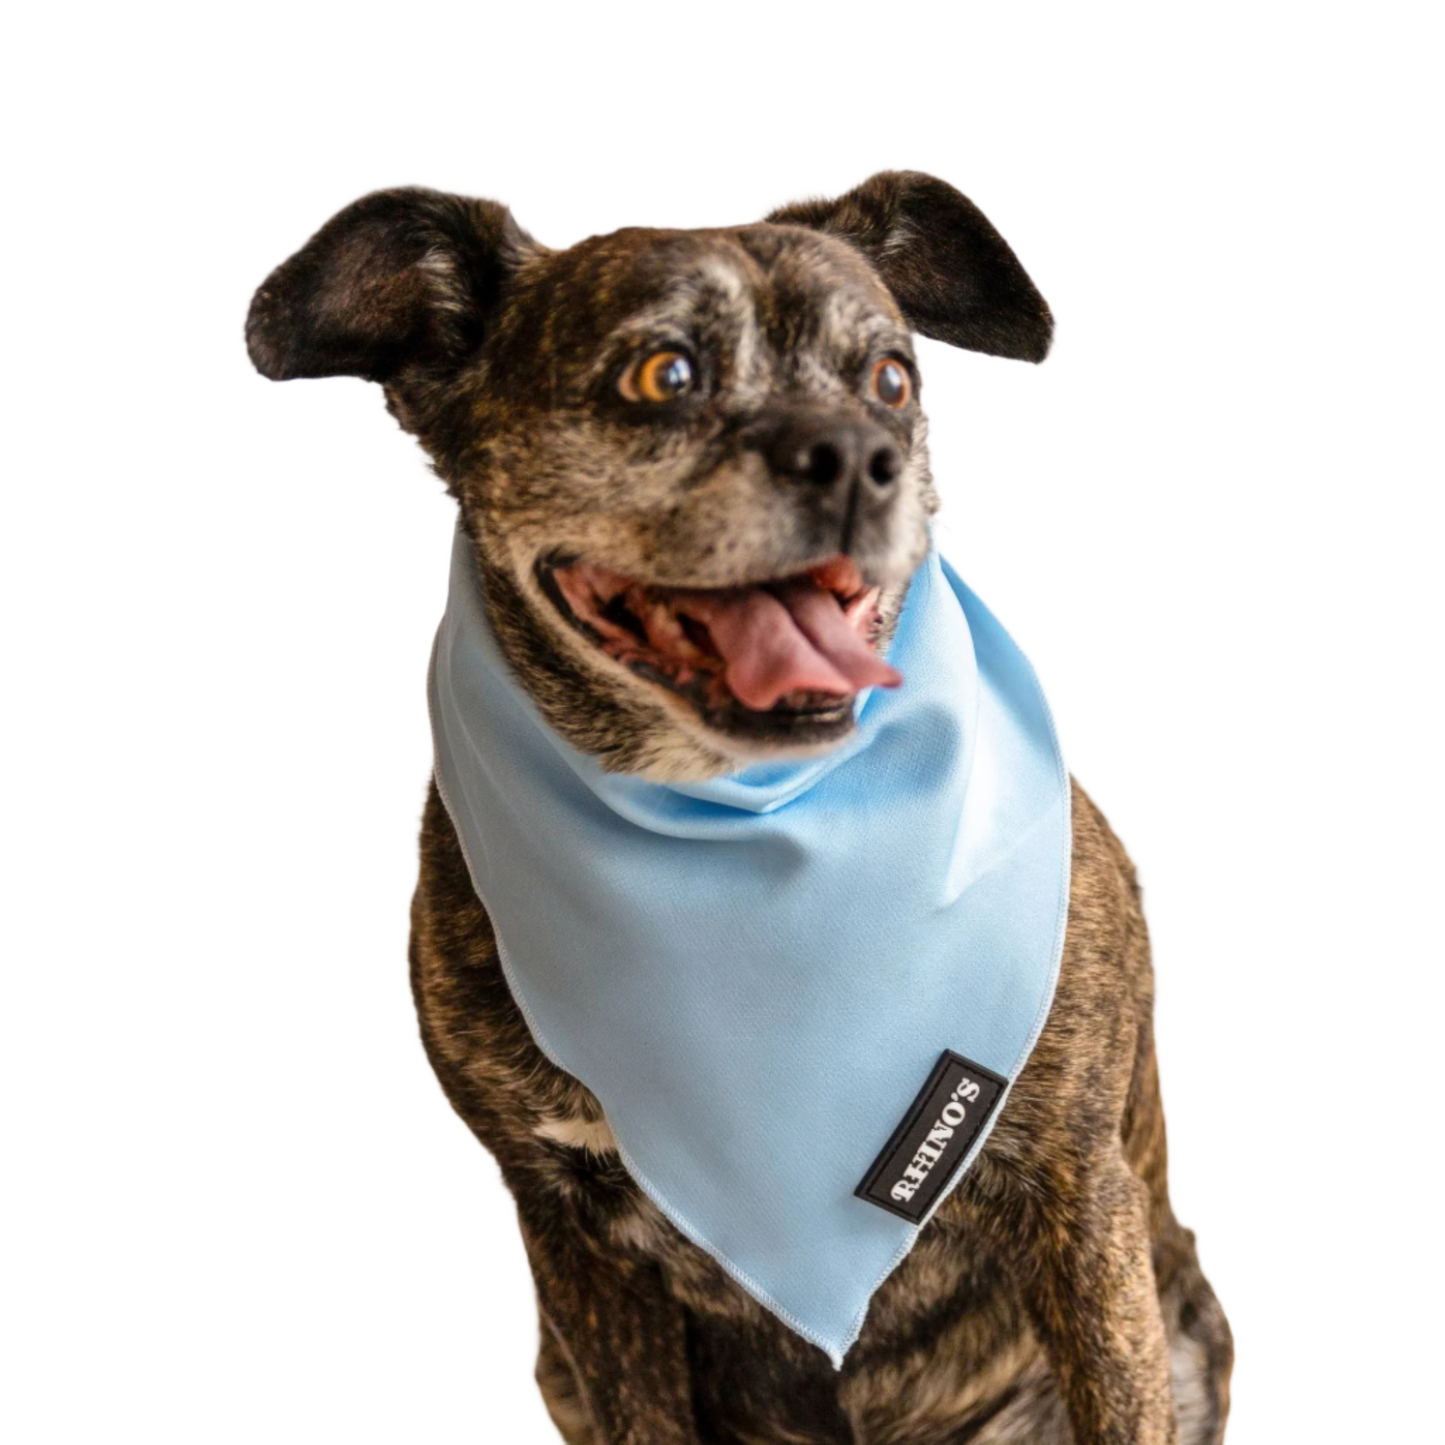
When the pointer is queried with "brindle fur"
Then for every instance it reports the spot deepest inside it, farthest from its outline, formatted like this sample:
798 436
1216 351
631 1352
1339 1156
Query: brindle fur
1054 1297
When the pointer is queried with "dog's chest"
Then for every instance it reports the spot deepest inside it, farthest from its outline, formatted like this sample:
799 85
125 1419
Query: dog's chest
945 1341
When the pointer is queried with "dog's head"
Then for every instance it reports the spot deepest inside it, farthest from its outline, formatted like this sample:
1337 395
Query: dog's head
692 463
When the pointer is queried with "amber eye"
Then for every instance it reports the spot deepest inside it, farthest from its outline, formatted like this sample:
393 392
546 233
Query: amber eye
663 376
891 383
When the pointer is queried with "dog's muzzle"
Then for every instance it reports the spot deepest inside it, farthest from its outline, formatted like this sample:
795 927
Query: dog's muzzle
849 466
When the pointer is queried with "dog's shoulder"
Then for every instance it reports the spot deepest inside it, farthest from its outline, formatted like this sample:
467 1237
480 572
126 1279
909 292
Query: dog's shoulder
518 1102
1073 1100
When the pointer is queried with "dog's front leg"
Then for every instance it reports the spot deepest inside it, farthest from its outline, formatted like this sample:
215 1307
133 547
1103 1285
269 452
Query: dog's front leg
1091 1291
619 1329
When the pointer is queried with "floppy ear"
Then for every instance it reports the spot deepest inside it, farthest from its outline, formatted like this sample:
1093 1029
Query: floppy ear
954 277
398 278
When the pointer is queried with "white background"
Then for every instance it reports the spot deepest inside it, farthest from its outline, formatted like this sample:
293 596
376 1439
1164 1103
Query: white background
236 1206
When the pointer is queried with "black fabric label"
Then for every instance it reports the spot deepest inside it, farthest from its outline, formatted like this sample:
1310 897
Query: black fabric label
934 1138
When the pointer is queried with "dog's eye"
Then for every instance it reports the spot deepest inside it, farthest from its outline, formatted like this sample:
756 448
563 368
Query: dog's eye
663 376
891 383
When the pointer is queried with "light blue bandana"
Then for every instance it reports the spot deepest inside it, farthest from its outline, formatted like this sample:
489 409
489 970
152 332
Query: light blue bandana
756 975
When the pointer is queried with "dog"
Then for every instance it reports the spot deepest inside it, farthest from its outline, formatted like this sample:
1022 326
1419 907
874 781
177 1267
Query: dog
654 415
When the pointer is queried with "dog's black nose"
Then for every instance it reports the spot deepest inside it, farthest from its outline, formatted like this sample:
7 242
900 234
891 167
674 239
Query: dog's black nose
835 452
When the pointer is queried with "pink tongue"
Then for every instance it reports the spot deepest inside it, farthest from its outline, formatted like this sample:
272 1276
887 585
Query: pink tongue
793 639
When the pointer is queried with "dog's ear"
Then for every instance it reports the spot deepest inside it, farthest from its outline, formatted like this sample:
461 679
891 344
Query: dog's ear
399 278
953 276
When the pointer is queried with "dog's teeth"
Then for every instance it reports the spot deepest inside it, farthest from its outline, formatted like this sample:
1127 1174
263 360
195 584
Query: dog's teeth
664 628
604 582
862 611
830 613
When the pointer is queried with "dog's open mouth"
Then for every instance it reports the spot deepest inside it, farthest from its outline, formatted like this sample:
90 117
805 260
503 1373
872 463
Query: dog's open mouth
802 646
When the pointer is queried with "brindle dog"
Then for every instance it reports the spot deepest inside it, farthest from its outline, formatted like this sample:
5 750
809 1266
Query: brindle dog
716 411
